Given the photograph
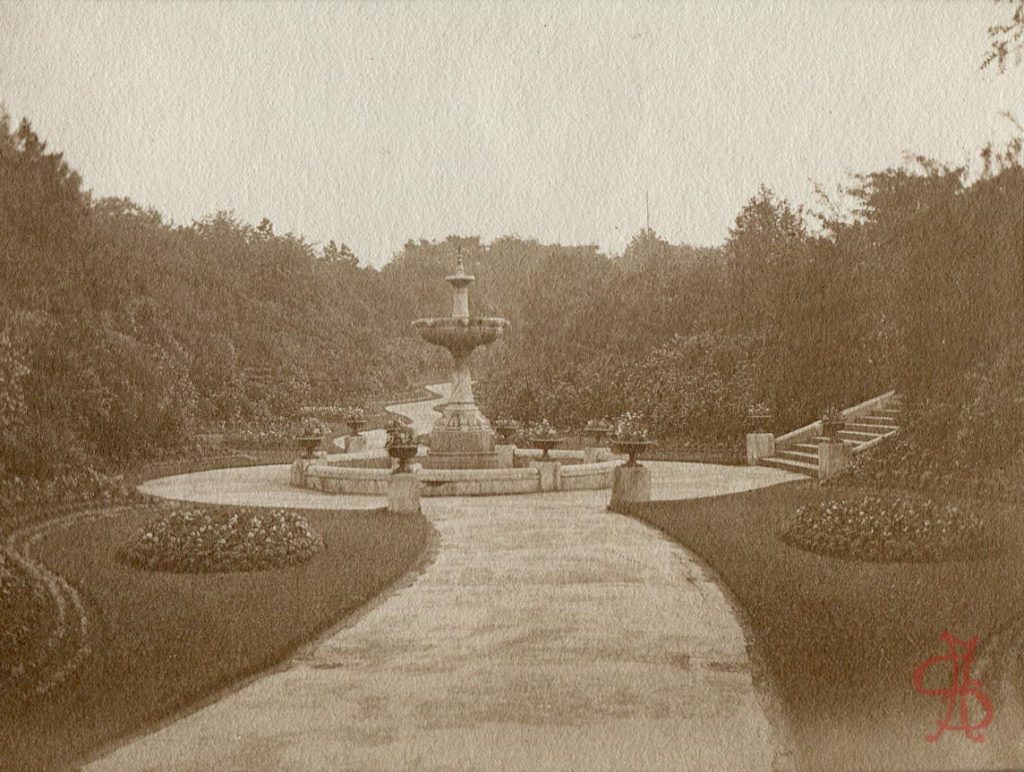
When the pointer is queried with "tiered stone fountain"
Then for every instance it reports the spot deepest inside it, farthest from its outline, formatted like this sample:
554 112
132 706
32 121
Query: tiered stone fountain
461 458
462 438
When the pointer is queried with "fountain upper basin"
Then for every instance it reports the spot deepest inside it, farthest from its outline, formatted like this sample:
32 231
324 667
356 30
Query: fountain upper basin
459 333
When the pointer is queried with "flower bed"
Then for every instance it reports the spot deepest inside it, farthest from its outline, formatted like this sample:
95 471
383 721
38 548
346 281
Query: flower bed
27 618
329 413
272 434
726 453
904 465
70 488
892 529
217 539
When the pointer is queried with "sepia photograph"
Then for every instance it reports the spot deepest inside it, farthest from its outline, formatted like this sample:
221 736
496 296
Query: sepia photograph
446 385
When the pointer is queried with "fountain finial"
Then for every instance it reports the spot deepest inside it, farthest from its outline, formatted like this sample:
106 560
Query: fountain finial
460 279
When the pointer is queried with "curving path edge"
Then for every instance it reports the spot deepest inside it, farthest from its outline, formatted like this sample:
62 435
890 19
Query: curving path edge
547 633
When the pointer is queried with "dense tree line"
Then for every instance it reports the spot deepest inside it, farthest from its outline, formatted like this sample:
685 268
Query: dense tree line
122 334
920 290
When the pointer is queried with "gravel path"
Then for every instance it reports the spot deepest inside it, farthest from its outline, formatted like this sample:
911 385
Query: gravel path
546 633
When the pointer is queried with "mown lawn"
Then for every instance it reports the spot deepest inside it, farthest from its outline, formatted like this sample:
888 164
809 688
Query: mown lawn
162 642
840 639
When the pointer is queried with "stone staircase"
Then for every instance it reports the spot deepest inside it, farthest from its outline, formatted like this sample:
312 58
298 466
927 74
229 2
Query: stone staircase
867 425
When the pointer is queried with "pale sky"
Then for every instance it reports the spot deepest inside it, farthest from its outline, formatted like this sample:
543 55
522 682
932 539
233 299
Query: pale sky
376 123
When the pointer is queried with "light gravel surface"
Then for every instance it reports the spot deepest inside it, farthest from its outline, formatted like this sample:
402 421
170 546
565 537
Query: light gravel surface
545 633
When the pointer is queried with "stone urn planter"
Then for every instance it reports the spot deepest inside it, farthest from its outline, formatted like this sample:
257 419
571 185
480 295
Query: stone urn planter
631 482
545 437
505 429
401 445
545 444
404 453
832 422
630 437
598 432
309 444
356 423
311 433
759 418
631 448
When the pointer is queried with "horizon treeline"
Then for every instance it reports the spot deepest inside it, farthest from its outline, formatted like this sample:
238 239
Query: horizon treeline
121 335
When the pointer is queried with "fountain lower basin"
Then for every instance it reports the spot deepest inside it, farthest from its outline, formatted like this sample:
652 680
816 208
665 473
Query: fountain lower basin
367 474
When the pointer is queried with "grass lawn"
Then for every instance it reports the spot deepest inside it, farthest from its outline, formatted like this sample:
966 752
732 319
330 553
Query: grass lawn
840 639
162 642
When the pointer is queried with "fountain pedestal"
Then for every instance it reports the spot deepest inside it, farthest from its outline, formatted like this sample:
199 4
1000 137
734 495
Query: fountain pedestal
462 438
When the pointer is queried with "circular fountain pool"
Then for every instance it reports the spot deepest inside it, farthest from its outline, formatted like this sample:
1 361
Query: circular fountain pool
462 457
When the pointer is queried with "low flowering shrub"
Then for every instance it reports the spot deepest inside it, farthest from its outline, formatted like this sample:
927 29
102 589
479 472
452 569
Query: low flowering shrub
892 529
216 539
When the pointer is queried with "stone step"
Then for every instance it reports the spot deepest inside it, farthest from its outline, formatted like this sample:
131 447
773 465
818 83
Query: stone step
798 455
876 429
861 430
800 467
881 426
878 420
806 447
874 415
857 436
846 440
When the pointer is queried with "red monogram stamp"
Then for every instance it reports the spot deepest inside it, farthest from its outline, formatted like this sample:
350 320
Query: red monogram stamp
961 688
